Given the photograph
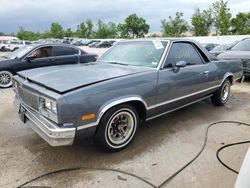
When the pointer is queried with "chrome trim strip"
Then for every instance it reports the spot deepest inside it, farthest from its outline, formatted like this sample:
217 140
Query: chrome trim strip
183 97
94 124
164 113
165 53
107 107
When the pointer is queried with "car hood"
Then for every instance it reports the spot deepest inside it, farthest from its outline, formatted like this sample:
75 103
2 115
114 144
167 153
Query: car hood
235 55
65 78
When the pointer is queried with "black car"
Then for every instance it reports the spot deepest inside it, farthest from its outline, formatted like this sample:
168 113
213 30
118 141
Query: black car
34 56
104 44
240 51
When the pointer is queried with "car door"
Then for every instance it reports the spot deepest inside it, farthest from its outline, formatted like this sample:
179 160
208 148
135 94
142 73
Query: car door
180 86
65 55
39 57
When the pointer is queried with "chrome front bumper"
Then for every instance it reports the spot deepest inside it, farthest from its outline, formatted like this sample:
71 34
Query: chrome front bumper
49 131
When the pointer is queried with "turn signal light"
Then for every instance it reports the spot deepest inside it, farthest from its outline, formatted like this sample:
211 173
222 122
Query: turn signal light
88 116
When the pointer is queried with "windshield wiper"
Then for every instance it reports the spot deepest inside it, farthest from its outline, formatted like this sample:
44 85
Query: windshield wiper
117 63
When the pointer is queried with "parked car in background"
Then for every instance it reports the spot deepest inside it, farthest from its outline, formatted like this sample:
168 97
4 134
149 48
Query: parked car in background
41 55
78 43
209 46
219 49
14 45
92 45
135 81
92 42
104 44
241 51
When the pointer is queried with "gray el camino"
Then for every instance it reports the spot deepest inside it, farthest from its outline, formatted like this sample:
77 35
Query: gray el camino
134 81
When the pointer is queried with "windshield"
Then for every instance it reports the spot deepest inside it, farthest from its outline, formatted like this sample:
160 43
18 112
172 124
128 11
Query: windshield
19 53
243 45
220 48
142 53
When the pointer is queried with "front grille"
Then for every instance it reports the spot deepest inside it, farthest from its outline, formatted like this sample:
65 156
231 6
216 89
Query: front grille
28 98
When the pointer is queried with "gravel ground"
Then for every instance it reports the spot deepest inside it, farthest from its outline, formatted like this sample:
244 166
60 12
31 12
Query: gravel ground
160 148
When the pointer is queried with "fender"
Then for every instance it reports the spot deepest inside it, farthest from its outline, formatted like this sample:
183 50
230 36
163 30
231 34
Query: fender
111 103
228 74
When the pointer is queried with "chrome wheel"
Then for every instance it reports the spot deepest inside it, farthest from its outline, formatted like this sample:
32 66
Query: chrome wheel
121 127
225 91
5 79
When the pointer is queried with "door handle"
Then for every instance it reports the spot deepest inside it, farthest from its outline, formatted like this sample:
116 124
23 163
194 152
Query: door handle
206 72
52 60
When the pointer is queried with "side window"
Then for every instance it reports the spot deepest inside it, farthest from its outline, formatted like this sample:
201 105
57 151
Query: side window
42 52
62 50
181 51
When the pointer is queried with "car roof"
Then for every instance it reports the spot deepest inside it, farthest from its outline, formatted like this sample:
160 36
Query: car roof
52 44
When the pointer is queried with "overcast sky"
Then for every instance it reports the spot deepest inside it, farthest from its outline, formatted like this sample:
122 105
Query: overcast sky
37 15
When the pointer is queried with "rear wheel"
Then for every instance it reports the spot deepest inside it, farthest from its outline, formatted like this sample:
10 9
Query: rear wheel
221 96
5 79
117 128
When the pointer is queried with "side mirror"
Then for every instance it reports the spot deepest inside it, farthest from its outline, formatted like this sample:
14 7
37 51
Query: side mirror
181 64
30 58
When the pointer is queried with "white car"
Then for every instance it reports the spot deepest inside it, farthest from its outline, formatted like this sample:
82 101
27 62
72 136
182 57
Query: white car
14 45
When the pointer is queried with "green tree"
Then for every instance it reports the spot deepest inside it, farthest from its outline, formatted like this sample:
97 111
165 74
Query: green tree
222 17
2 34
105 30
90 26
56 30
85 29
68 33
135 25
27 35
202 22
122 30
240 25
174 27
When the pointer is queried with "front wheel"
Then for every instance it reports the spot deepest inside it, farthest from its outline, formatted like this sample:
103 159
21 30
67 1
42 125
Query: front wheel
221 96
5 79
117 128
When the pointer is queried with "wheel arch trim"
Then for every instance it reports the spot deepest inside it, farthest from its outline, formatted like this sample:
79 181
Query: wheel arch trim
108 105
227 75
112 103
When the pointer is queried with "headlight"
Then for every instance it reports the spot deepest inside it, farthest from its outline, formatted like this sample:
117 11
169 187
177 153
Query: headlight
48 105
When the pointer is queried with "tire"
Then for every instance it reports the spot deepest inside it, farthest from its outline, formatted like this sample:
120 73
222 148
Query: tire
15 49
5 79
3 49
222 95
114 135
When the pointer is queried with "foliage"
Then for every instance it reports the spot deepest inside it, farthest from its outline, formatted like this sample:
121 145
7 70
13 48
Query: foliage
135 26
85 29
174 27
69 33
241 24
22 34
56 31
105 30
222 17
202 22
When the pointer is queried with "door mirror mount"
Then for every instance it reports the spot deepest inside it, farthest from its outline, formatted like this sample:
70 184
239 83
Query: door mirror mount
179 65
30 58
